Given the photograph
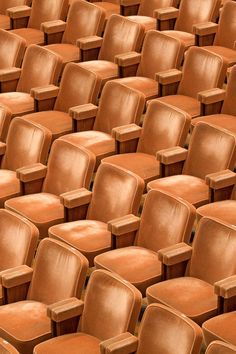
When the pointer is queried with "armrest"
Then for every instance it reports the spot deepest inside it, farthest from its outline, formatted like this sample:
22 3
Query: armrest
204 29
211 96
226 291
83 116
89 42
175 254
167 13
16 276
51 27
76 198
10 74
3 147
221 179
44 92
172 155
168 76
123 230
31 173
65 309
124 343
127 59
127 132
18 12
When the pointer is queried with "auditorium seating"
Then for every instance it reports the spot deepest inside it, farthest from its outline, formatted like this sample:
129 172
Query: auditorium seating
219 347
5 22
11 52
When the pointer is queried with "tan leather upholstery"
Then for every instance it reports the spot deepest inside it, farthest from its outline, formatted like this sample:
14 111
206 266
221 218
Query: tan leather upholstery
154 60
113 317
11 50
121 36
57 266
44 209
7 348
23 136
110 7
163 127
4 5
193 294
204 77
78 86
116 193
219 347
37 60
139 264
42 11
215 153
84 19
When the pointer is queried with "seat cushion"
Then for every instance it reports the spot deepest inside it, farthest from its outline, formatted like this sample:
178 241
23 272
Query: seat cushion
90 237
68 52
109 8
24 324
225 121
145 85
5 22
190 188
224 210
137 265
42 209
59 123
187 38
144 165
188 104
228 54
19 103
78 343
106 70
191 296
9 186
149 23
31 35
220 328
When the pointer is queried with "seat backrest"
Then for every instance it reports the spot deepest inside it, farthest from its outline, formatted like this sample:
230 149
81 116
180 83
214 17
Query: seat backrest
155 232
192 12
160 52
207 70
71 163
226 34
40 67
11 50
59 272
47 10
84 19
214 244
164 126
18 240
115 302
27 143
219 347
229 105
121 35
7 348
116 192
6 4
147 7
78 86
119 105
165 330
211 149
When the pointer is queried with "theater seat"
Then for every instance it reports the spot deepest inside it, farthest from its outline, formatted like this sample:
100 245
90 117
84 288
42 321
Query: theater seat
116 192
116 304
139 264
59 273
5 22
7 348
15 154
69 167
78 86
12 50
192 293
164 126
40 67
41 11
211 150
162 330
219 347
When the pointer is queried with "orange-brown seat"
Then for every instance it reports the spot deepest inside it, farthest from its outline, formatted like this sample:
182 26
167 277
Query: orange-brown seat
69 167
78 86
194 78
11 51
191 12
58 274
111 308
7 348
211 150
219 347
40 67
139 264
162 330
221 327
84 19
5 22
18 241
211 259
41 11
110 7
153 59
164 127
116 192
119 105
121 36
27 143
